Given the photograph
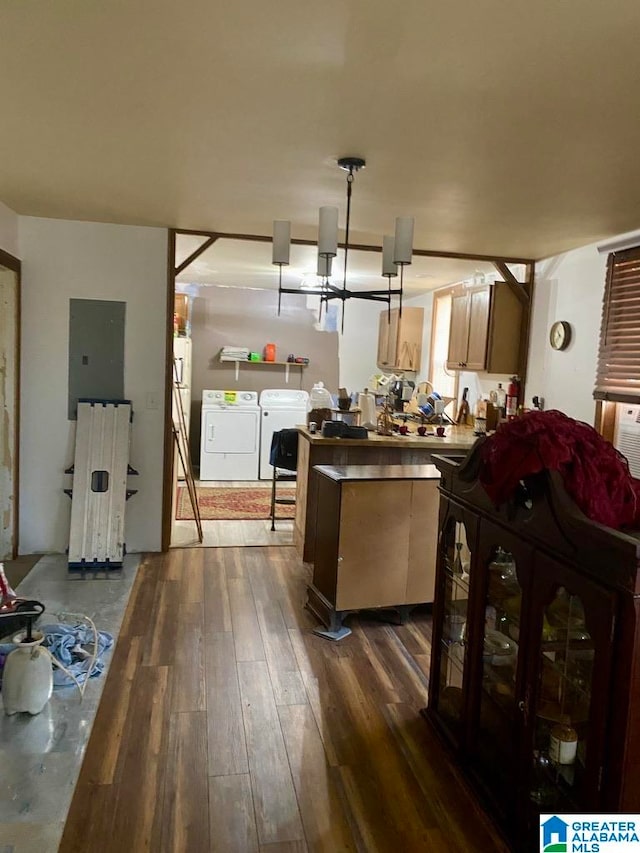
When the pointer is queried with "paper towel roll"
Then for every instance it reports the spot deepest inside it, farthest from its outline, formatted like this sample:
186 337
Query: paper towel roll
367 406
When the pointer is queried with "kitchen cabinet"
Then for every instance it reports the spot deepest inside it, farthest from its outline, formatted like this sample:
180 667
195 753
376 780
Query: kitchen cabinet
535 677
485 329
356 569
400 339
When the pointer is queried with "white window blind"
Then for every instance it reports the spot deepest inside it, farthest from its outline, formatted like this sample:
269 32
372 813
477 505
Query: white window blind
618 373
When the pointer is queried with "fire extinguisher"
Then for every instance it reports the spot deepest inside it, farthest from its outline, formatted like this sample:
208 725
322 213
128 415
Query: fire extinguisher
513 395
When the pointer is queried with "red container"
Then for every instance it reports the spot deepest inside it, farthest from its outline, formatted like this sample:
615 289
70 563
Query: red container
513 395
269 352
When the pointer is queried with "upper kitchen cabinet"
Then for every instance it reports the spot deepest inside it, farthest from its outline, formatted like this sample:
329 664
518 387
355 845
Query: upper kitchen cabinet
400 339
485 330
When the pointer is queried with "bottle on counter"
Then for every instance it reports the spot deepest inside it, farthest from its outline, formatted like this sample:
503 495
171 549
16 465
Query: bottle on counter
513 395
501 400
320 404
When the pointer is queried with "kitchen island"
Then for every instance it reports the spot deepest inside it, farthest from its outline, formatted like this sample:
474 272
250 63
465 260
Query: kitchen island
394 449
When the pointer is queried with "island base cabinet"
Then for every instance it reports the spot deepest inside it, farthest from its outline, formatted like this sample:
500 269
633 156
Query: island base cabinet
375 543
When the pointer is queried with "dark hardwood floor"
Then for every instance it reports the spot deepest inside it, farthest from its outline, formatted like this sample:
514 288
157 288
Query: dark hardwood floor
226 725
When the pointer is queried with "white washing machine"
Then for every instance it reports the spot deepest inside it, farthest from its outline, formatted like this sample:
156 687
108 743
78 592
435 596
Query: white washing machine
230 439
282 408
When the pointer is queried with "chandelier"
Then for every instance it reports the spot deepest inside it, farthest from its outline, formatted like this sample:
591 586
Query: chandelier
396 252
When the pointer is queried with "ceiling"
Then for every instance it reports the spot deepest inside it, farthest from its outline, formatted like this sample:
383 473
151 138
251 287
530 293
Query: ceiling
503 128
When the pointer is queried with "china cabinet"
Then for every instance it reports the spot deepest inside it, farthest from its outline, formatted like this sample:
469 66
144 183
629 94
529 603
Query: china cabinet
485 329
400 339
535 672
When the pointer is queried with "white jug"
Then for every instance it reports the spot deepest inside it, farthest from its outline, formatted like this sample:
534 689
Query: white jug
27 679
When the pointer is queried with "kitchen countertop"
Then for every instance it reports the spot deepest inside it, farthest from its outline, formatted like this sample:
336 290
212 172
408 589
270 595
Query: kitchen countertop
378 472
456 438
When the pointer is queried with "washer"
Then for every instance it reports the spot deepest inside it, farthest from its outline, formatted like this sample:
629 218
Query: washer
282 408
230 439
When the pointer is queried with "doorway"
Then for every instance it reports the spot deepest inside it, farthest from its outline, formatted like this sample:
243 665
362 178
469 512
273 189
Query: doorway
9 403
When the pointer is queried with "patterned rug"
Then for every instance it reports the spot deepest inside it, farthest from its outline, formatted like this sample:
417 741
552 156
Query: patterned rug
234 503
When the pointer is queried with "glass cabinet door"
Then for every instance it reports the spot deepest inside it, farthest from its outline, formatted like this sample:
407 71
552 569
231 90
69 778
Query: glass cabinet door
498 702
572 666
456 561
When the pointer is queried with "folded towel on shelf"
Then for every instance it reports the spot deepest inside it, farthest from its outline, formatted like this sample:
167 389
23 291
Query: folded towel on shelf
232 353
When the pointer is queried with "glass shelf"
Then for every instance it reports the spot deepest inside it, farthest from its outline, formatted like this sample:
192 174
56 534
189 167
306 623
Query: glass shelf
461 581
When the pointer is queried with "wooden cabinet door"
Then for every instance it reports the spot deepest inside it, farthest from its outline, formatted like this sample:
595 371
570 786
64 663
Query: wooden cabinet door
569 655
497 648
479 307
458 331
409 339
455 572
372 569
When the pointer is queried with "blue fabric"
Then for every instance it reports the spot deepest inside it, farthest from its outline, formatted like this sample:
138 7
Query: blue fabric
72 645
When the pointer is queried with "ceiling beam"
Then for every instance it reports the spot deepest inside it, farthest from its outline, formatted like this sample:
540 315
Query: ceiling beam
514 285
192 257
361 247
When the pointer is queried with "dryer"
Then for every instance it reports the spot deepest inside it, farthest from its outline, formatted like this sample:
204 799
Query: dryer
230 437
282 408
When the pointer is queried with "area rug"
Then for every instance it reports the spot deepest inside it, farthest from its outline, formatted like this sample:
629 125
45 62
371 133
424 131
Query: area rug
234 503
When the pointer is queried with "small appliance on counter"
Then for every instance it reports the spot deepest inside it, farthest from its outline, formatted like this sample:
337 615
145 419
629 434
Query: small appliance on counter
320 404
400 392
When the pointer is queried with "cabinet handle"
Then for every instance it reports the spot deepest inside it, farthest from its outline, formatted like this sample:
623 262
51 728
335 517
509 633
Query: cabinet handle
523 706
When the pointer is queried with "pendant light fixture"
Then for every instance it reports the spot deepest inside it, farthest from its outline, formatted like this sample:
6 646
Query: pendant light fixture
396 252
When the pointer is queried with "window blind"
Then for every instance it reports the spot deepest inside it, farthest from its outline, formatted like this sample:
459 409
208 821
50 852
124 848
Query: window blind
618 372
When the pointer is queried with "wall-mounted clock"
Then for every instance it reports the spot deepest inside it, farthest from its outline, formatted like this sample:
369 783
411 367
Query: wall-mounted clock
560 335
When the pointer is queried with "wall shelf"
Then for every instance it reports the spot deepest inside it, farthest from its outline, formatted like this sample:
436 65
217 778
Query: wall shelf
247 363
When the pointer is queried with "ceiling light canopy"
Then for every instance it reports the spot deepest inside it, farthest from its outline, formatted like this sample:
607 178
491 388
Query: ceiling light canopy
397 250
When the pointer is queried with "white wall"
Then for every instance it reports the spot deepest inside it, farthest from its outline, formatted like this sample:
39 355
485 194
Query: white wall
358 345
9 231
63 260
359 342
567 287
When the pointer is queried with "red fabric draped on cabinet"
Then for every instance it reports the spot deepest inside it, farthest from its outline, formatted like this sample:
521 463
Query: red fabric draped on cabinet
595 474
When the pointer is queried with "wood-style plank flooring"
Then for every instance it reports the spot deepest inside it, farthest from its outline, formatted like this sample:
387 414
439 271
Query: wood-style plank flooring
226 725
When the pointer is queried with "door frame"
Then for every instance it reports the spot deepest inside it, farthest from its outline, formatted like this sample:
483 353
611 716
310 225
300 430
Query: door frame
15 265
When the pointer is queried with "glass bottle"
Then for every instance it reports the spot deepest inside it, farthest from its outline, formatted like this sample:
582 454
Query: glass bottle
563 742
